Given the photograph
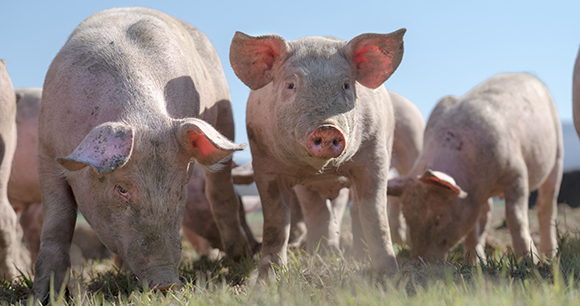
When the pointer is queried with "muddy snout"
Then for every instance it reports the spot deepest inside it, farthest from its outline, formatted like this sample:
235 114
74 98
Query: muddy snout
326 142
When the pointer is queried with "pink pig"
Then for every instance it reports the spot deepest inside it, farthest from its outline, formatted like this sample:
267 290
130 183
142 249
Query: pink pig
132 98
503 138
319 118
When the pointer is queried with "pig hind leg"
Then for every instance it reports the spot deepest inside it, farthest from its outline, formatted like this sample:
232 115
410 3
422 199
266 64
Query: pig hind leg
474 243
547 210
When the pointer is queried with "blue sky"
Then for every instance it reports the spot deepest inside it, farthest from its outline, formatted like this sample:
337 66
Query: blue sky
450 46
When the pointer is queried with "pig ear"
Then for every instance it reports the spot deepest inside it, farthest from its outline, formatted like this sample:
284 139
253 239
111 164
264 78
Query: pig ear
441 179
204 142
253 57
396 186
375 56
243 175
106 148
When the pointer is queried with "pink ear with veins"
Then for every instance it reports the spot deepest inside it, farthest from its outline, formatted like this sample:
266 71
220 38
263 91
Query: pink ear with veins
443 180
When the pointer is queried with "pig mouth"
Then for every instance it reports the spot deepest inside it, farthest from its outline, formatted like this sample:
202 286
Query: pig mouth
162 277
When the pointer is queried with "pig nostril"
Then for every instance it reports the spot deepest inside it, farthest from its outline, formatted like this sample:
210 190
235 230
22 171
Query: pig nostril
317 141
336 142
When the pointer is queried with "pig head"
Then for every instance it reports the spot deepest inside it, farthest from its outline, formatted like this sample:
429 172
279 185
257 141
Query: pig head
136 104
319 117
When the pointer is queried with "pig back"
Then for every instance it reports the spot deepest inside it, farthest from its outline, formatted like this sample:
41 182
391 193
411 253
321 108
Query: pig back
133 64
508 119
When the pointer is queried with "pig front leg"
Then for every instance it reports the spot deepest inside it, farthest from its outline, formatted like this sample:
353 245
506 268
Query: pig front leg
225 206
57 231
297 224
8 240
475 240
276 202
516 201
397 223
548 209
370 212
322 217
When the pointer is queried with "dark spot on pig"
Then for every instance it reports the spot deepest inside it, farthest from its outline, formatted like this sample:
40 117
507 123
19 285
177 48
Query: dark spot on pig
95 111
68 111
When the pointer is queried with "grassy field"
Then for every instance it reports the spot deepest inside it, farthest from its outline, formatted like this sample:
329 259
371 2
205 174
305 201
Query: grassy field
341 280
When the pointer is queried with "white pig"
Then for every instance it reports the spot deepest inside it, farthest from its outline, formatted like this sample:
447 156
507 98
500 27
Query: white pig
23 187
318 117
128 102
503 138
10 246
407 145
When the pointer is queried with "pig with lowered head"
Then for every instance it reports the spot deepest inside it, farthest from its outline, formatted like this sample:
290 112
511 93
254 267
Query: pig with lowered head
503 138
132 99
23 187
407 145
318 116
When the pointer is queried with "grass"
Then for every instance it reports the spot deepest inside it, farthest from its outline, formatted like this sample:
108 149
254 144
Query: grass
333 280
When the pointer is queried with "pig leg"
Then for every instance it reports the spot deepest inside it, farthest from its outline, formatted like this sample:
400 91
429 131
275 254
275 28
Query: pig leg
370 185
516 199
225 204
322 217
254 245
297 224
60 214
475 240
225 208
31 221
397 223
9 244
276 202
547 210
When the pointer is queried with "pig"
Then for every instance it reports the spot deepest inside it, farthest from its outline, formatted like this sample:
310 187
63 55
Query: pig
23 187
407 145
503 138
129 103
10 246
319 118
576 94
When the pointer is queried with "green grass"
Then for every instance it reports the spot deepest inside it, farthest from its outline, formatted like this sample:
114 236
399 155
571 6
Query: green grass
334 280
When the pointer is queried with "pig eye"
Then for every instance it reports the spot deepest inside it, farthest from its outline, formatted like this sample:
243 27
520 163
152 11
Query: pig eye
290 86
122 191
345 86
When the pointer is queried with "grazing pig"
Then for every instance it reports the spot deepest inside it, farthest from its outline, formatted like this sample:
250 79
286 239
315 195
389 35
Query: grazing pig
319 118
10 246
407 145
23 186
576 94
503 138
128 102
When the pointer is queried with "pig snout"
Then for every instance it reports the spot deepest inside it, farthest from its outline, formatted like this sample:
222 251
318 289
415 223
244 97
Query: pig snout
163 278
326 141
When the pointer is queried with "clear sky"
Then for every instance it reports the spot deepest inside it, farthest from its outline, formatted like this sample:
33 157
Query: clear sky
450 46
